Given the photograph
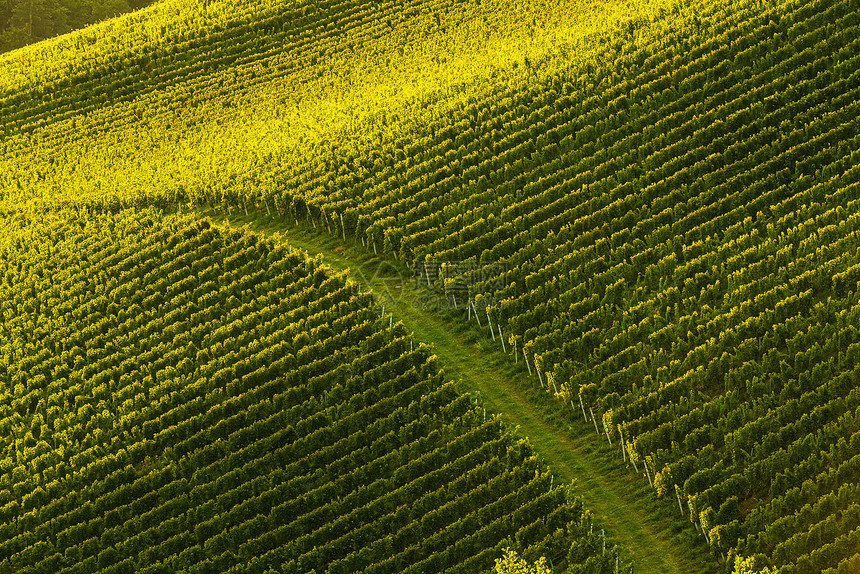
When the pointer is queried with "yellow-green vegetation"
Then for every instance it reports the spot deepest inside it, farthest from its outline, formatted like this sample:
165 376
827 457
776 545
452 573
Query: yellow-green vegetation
185 102
673 187
512 563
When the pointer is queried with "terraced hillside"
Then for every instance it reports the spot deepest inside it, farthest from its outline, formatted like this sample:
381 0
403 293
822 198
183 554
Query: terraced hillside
179 399
673 187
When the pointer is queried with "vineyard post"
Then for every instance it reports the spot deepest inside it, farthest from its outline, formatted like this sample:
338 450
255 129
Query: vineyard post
278 207
516 357
677 494
693 517
476 313
603 535
501 337
648 474
537 369
390 320
621 440
551 478
469 310
581 404
526 359
551 378
491 326
268 211
245 205
342 228
594 420
606 431
308 207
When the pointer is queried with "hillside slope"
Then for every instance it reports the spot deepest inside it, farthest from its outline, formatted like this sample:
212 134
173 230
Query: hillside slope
675 196
186 102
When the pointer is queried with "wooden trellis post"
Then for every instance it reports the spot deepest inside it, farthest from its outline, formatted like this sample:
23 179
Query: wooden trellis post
621 439
648 474
594 420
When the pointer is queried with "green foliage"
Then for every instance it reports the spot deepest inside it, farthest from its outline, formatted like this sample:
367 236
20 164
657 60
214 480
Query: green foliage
749 565
512 563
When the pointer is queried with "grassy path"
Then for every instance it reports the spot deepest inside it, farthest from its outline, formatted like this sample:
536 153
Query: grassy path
649 532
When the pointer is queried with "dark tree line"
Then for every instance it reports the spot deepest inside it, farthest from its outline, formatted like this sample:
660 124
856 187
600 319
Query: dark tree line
23 22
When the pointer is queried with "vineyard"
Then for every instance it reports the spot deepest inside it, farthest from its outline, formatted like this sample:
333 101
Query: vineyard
673 188
182 399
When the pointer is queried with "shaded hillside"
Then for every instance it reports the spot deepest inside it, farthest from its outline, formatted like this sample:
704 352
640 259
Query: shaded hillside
176 398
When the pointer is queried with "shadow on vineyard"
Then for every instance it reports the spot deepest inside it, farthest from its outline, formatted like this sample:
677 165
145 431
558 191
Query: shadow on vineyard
648 530
294 430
